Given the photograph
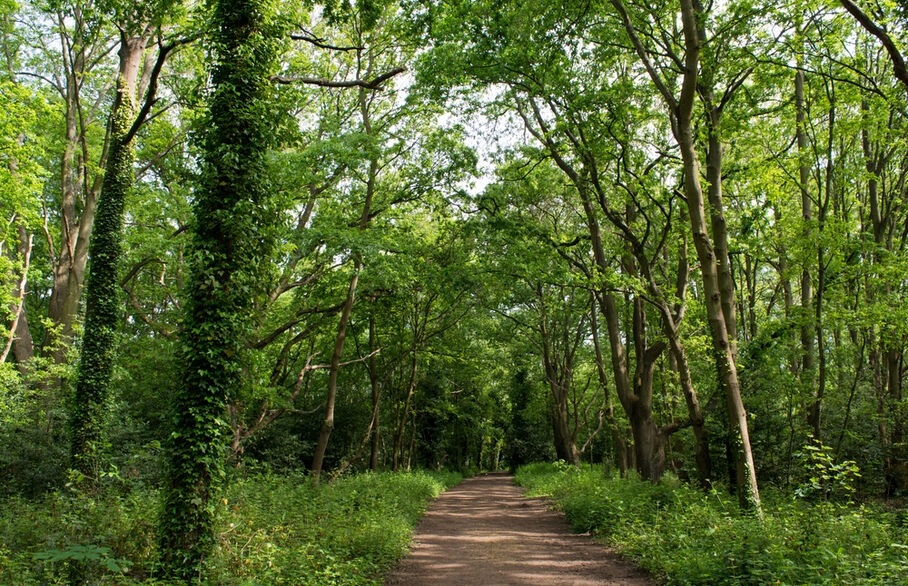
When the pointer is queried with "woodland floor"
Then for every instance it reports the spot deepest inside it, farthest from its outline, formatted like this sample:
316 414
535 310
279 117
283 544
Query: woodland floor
484 531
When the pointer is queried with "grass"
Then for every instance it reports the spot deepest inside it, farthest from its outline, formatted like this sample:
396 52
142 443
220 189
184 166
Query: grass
690 537
273 530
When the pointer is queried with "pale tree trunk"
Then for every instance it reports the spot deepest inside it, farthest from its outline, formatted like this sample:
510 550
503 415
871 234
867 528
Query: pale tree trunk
375 430
808 354
23 345
718 225
75 224
20 341
748 493
681 112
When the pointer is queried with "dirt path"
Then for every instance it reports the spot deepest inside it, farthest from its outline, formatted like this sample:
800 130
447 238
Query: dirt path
483 532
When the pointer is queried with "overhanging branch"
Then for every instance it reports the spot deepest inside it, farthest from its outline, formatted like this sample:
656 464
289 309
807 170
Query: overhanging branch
372 84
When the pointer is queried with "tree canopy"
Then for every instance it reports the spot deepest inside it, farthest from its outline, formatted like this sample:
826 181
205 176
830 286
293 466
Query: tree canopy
326 237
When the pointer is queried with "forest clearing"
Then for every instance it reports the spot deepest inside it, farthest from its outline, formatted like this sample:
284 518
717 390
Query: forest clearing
278 273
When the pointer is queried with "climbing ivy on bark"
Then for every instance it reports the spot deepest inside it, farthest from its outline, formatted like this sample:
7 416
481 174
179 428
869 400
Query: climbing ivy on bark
229 247
102 315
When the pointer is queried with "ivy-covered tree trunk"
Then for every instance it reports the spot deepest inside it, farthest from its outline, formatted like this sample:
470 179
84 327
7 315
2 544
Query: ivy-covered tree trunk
102 301
230 244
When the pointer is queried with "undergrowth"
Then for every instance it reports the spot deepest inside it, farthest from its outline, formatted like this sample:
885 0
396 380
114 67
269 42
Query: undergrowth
272 530
689 537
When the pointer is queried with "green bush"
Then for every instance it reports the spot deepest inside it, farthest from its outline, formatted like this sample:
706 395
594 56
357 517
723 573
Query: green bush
272 530
65 537
689 537
283 530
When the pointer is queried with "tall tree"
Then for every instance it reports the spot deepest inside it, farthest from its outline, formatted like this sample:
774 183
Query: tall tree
102 292
681 109
230 244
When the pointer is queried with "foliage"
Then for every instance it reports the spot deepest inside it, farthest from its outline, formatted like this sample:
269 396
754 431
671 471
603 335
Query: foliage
102 316
824 477
284 530
252 202
230 238
270 530
73 534
691 537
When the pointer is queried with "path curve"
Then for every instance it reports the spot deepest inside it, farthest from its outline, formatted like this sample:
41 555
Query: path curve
484 531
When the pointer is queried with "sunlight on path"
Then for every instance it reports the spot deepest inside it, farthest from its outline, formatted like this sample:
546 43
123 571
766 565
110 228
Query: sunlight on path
484 532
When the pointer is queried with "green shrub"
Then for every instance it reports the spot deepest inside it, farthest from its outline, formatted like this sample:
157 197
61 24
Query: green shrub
690 537
824 478
284 530
76 537
272 530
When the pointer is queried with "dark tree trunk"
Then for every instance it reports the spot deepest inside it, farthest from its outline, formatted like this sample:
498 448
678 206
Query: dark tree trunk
229 250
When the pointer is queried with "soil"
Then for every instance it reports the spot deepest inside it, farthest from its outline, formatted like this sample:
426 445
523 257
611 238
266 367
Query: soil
484 531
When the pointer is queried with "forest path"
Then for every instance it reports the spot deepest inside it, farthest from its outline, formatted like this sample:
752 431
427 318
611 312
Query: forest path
484 531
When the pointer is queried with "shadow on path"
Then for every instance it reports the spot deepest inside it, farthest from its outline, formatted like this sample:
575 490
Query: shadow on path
483 532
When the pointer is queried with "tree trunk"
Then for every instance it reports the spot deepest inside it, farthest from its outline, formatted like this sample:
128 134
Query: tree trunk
102 317
75 227
701 438
365 216
807 326
373 381
620 446
229 248
724 278
331 393
748 493
411 386
20 342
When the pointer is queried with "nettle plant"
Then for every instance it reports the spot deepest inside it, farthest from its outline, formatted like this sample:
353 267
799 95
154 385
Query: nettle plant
826 479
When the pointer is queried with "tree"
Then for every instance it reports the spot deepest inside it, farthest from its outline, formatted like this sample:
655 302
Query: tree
228 250
898 59
102 292
681 109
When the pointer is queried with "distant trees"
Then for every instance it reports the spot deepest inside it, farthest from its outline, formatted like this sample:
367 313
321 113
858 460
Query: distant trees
589 110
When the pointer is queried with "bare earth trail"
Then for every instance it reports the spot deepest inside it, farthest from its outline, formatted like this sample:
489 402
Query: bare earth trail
484 531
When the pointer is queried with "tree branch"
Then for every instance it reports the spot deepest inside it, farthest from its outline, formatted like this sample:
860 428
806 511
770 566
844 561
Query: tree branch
898 61
150 98
372 84
320 43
